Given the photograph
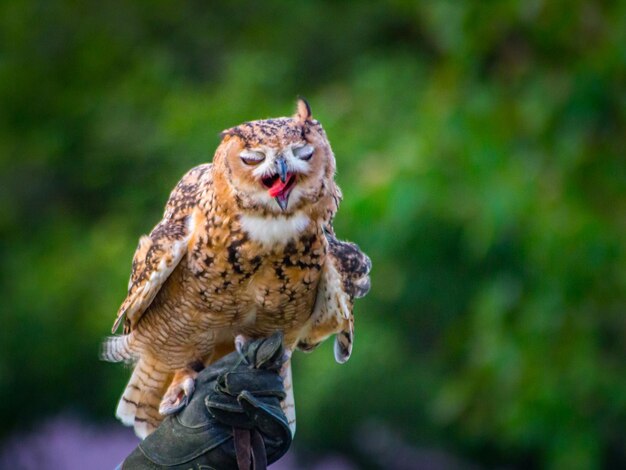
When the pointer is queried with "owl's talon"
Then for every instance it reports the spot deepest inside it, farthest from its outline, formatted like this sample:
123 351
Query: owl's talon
177 396
240 342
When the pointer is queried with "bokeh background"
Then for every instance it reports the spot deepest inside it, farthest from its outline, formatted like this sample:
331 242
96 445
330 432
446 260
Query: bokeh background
481 151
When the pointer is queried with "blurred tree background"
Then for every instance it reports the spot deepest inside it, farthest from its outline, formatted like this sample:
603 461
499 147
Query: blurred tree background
480 148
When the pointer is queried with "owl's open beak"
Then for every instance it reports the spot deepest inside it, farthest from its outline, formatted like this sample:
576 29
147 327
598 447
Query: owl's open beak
280 184
280 190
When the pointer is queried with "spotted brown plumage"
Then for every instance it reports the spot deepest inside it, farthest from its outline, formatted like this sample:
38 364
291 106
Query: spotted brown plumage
245 247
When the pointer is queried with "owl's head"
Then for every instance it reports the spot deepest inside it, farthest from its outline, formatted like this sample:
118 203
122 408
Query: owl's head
278 165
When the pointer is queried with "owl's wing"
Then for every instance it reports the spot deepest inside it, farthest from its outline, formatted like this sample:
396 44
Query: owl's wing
352 264
159 253
344 277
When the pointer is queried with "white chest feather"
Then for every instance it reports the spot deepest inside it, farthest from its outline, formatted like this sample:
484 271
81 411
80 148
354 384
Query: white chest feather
274 229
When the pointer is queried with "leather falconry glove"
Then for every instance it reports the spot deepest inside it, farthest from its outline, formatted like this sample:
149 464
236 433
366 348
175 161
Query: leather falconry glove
233 420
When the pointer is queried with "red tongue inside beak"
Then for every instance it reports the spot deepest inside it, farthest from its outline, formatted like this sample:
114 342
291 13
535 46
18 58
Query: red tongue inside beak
278 186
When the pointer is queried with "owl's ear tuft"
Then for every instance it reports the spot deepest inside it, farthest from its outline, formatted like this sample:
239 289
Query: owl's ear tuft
226 134
303 110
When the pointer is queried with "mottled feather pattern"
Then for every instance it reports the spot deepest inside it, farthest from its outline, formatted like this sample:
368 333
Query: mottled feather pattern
227 260
354 266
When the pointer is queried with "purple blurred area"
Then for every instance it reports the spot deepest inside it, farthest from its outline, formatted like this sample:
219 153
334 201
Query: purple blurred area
69 443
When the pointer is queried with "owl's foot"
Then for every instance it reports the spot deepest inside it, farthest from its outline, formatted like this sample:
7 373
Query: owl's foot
179 392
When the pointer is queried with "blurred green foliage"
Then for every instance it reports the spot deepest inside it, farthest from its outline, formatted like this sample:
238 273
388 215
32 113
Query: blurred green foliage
480 148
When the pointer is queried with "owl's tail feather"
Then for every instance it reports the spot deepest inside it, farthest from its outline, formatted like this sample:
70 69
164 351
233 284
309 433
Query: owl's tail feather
118 349
139 405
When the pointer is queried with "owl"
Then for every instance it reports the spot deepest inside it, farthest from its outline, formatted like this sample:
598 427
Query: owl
245 248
